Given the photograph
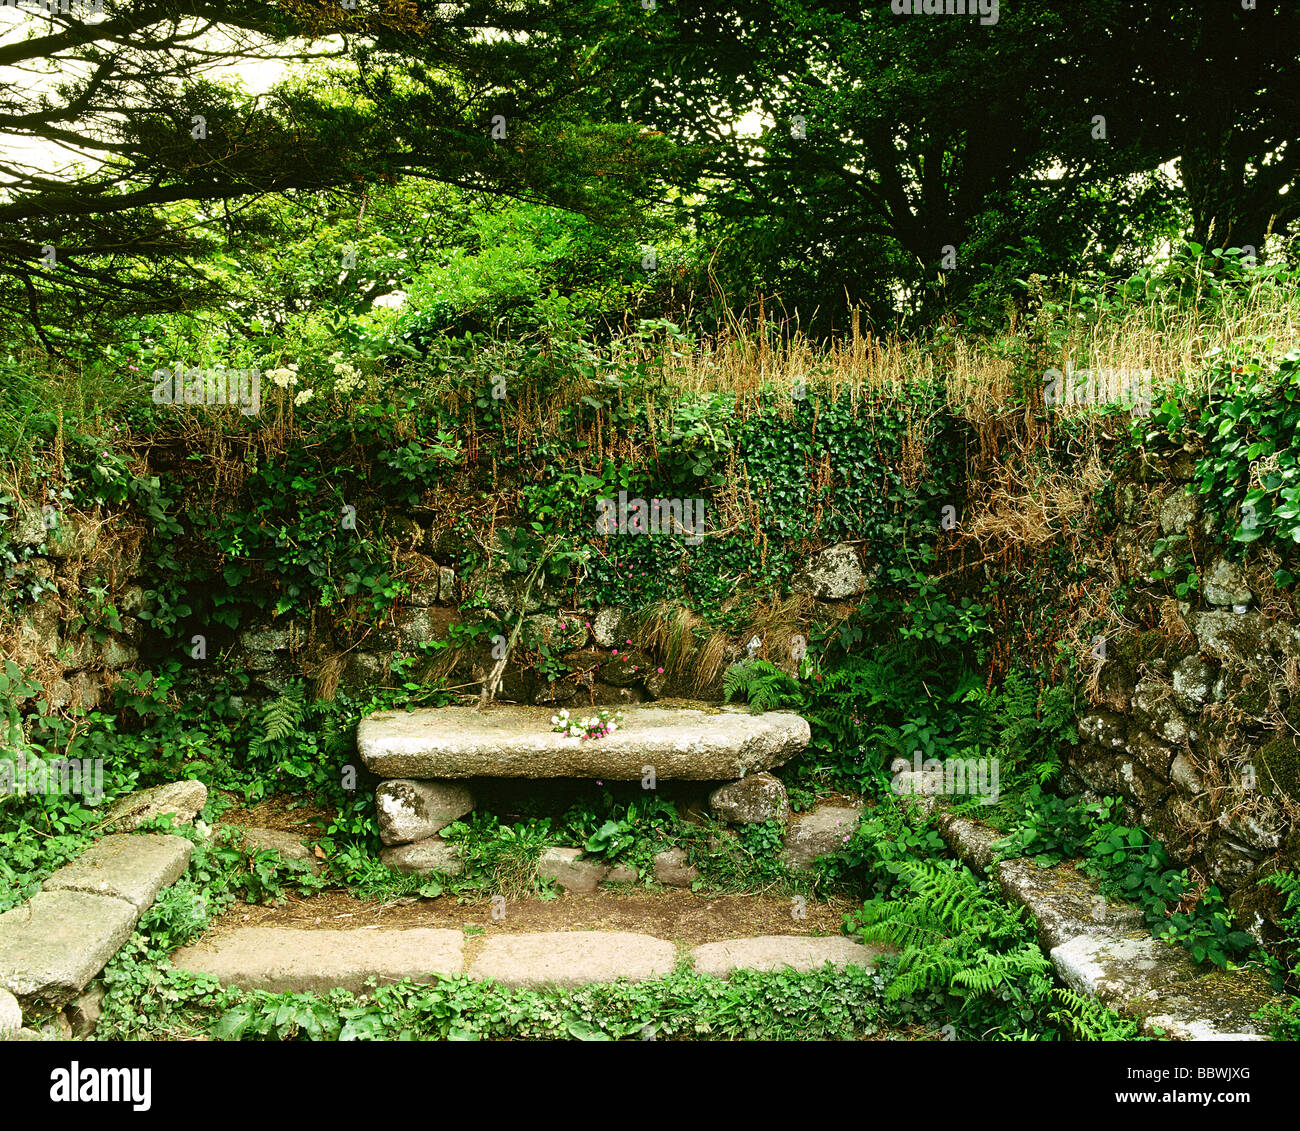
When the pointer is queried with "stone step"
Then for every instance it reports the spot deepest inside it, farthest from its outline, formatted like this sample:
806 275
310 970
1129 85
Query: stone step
52 945
281 959
678 739
130 866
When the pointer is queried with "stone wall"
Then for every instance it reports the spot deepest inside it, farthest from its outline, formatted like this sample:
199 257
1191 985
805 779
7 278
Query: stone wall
1194 711
79 562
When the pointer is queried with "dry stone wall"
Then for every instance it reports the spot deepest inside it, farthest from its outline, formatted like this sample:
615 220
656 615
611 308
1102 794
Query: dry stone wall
1194 715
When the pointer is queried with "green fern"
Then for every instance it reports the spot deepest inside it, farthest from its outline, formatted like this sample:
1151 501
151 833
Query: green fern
1086 1019
765 686
954 936
280 719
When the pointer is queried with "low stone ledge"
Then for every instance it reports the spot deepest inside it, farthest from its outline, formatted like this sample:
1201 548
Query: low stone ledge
818 833
1116 971
290 847
970 840
1214 1007
424 857
1064 902
567 868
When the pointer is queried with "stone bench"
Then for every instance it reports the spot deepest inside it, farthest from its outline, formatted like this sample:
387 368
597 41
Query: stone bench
696 742
421 754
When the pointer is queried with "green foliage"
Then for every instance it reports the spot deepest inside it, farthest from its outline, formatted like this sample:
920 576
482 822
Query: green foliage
956 937
1131 866
823 1005
889 838
763 684
1086 1019
1246 428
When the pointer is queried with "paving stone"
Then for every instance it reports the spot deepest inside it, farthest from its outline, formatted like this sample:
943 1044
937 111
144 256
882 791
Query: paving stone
424 857
182 799
285 960
573 958
773 952
129 866
416 810
686 741
55 943
289 846
1064 902
823 830
566 868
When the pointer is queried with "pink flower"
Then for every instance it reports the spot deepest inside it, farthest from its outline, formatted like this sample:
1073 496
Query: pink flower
660 671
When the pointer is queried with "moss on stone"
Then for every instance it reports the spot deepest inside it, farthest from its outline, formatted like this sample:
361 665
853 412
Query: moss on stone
1280 766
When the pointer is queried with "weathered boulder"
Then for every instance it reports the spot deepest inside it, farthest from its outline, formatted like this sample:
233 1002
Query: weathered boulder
831 575
11 1015
274 638
1178 511
85 1010
751 801
290 847
415 810
815 834
693 742
672 869
1225 584
182 799
605 625
567 868
430 855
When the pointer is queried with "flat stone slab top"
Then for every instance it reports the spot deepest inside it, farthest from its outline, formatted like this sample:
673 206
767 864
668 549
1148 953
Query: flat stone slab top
573 958
693 742
803 953
130 866
287 960
55 943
